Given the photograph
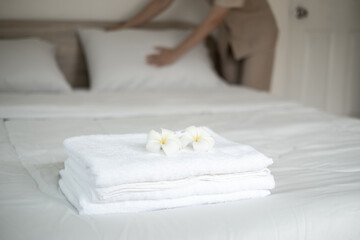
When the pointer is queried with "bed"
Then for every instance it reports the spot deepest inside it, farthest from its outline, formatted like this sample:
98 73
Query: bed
316 159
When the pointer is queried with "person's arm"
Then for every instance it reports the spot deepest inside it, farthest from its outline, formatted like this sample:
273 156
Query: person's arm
154 8
166 56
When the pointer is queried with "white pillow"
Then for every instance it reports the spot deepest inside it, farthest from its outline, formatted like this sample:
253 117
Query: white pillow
117 60
29 65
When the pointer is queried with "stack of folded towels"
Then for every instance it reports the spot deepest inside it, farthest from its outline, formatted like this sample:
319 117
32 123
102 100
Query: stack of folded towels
116 174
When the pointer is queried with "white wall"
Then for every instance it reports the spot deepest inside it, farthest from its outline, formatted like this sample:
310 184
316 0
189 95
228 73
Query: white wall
281 11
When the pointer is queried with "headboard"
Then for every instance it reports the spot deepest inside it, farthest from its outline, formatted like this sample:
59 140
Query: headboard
63 35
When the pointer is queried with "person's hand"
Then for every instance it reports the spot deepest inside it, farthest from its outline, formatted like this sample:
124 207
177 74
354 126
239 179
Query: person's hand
165 56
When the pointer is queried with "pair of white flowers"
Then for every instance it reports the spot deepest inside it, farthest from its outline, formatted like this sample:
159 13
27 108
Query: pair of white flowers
171 142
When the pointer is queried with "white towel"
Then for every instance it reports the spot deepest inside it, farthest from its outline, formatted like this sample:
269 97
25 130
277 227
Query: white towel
196 185
118 159
79 200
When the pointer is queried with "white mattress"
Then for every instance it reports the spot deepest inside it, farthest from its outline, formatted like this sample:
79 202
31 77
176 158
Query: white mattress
316 166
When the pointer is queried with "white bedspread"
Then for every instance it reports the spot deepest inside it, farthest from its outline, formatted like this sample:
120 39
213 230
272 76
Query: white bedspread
316 166
82 104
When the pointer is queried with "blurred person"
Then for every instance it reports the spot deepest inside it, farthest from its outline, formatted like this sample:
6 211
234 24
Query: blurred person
246 39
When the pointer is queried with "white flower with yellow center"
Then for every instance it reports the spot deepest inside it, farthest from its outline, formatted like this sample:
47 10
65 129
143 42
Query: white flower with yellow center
166 141
201 139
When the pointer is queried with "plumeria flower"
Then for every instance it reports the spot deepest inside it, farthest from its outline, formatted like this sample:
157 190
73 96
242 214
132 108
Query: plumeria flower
201 140
166 141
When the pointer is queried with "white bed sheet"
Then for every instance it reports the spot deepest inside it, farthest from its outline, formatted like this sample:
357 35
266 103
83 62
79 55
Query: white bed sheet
84 104
316 167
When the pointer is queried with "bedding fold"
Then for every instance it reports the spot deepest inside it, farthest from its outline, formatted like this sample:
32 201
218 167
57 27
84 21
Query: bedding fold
79 200
197 185
119 159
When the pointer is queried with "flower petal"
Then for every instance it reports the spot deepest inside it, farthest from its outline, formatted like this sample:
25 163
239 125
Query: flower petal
186 139
202 132
167 133
153 146
174 138
172 146
192 131
204 144
153 135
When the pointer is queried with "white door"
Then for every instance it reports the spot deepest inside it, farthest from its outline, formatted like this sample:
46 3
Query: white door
324 55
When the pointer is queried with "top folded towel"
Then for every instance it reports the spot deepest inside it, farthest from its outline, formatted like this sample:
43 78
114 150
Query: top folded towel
121 159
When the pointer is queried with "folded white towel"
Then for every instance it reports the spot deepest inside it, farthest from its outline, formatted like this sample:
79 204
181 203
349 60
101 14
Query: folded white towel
79 200
196 185
119 159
